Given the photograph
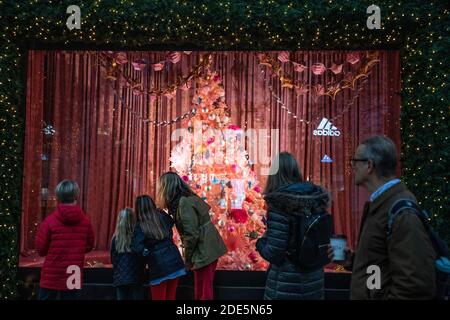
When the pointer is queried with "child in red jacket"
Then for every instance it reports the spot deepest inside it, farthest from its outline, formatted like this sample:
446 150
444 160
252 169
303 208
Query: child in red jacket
64 237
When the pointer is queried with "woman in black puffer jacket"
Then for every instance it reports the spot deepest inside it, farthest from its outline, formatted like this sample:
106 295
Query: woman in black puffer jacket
287 196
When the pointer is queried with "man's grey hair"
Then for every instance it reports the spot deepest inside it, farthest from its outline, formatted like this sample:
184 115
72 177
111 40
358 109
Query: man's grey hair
382 151
67 191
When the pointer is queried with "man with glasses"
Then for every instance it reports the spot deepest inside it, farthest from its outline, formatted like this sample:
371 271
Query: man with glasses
406 259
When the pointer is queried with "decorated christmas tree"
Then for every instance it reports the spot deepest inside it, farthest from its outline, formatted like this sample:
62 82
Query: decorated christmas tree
211 157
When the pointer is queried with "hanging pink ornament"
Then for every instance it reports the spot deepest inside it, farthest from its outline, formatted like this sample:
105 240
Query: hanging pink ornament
158 66
234 168
210 140
318 68
298 67
257 189
353 57
138 65
174 57
239 215
233 127
283 56
185 178
336 68
121 58
231 228
217 78
253 257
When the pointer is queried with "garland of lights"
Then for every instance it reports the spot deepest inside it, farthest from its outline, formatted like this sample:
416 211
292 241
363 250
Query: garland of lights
418 28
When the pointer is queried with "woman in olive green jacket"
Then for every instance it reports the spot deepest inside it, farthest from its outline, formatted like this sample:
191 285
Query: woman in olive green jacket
202 243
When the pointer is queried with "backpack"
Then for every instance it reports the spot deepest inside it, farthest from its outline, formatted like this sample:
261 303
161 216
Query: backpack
442 261
311 233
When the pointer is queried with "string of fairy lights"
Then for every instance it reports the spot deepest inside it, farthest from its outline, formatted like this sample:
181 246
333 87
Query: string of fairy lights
419 29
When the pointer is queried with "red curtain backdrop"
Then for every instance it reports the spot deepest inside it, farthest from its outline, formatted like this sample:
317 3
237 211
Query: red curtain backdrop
114 156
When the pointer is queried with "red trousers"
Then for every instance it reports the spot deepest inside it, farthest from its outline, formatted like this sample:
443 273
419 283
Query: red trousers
166 290
203 282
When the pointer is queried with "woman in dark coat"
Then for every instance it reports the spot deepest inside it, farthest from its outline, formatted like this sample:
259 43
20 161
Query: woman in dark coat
287 197
153 238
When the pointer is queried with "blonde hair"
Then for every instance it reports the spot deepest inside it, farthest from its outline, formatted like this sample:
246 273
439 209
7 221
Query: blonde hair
67 191
170 186
124 230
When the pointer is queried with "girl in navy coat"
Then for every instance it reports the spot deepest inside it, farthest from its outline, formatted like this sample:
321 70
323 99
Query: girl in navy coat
153 238
128 266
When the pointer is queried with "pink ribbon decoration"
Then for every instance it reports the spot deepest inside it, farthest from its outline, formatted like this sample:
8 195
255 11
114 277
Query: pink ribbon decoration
318 68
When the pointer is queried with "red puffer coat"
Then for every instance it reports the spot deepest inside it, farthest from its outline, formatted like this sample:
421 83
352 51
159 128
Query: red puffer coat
64 237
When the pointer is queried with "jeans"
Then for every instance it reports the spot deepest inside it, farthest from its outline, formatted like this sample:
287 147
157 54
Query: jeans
49 294
129 292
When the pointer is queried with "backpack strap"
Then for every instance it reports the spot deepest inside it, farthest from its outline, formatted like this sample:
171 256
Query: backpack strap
398 207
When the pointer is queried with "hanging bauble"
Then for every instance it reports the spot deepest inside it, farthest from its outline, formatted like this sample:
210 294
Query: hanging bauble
211 214
185 178
239 215
221 223
257 189
248 266
231 228
212 116
208 188
253 257
223 183
190 129
205 110
210 140
250 212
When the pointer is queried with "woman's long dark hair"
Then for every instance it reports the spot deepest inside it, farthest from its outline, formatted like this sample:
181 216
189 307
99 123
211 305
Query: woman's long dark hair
286 172
149 218
171 188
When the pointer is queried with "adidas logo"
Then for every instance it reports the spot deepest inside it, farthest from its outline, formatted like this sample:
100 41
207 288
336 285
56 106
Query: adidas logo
326 128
